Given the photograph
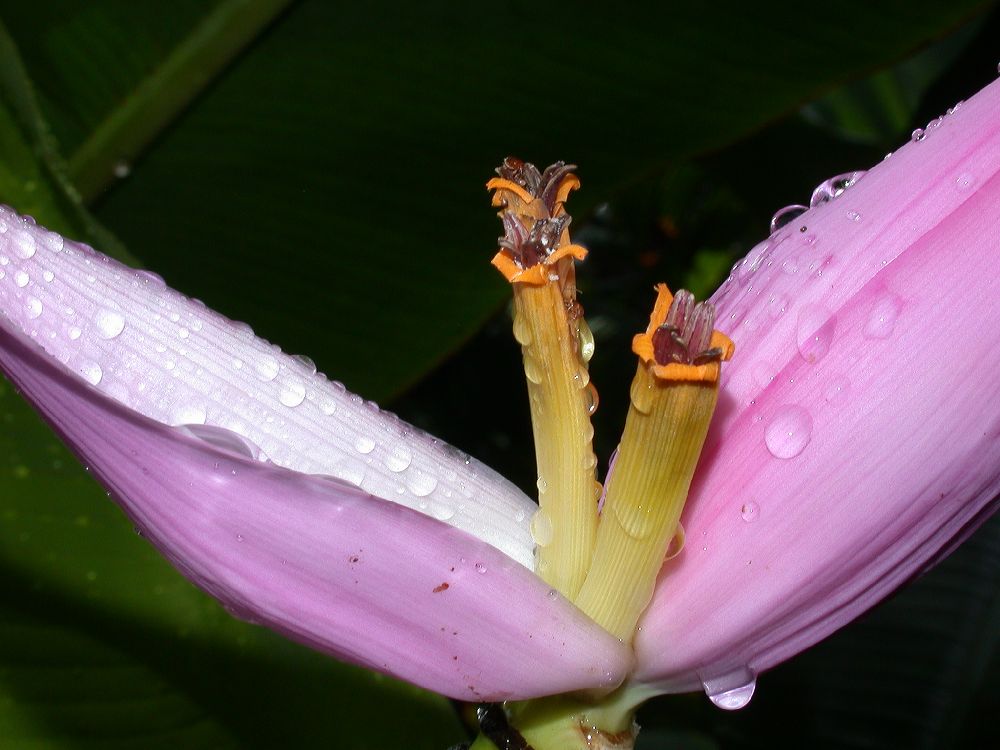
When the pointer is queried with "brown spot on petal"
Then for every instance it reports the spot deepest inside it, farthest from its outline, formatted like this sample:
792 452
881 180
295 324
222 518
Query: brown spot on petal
442 587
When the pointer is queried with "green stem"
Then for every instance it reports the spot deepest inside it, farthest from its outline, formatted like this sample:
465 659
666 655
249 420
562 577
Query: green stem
565 722
168 90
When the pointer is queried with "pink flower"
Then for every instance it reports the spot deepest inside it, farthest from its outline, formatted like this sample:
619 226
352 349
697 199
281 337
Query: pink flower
856 439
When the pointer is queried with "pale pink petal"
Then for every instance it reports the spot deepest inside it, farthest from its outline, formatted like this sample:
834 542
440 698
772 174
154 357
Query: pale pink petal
315 557
858 431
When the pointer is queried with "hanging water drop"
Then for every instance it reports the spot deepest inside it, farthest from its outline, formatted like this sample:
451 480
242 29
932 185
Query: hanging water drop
731 691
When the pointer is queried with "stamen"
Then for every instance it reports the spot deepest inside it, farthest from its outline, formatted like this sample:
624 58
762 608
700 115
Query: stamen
537 257
673 397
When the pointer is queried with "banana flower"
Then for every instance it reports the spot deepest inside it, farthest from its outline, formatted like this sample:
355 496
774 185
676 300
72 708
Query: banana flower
853 444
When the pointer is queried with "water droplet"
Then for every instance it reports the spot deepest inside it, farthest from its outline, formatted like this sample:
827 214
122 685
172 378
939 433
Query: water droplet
34 307
480 568
785 216
733 690
48 276
641 396
150 278
73 332
814 334
190 414
883 317
25 246
542 485
306 363
834 187
522 330
586 337
292 393
350 470
92 372
183 333
917 135
21 278
541 528
964 182
266 368
364 444
421 484
790 265
121 169
440 511
532 370
108 323
753 260
750 511
853 216
789 432
591 399
589 461
399 458
223 439
836 389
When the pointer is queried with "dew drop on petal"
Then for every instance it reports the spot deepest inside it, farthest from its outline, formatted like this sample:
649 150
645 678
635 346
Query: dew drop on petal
34 307
189 414
266 369
223 439
25 246
21 278
73 332
814 334
421 484
364 444
883 316
306 363
92 372
964 182
109 324
789 432
399 458
480 568
853 216
292 393
917 135
749 511
48 276
785 216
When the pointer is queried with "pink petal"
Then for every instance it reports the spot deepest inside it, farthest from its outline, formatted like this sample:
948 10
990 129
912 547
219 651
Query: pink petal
316 558
858 428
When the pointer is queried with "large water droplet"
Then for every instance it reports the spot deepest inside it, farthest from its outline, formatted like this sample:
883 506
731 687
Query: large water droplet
73 332
789 432
532 370
306 362
34 307
785 216
151 279
587 345
420 483
522 330
223 439
21 278
814 333
92 372
883 316
108 323
917 135
541 528
834 187
25 246
48 276
266 368
733 690
364 444
292 393
399 458
189 414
